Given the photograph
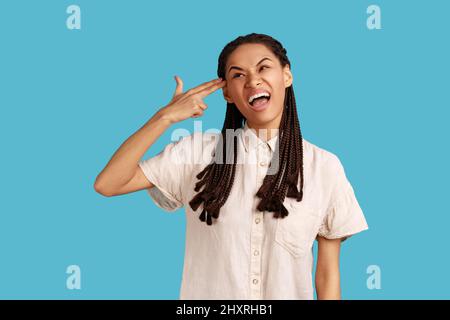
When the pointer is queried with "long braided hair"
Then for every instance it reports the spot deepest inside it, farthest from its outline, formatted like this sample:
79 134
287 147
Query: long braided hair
218 176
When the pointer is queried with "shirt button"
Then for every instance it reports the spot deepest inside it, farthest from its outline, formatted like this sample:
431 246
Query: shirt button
256 252
262 164
257 220
255 281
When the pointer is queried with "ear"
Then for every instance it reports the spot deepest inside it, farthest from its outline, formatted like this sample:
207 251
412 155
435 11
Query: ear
287 75
225 94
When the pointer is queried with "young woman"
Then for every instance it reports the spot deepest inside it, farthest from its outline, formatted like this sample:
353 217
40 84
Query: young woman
256 194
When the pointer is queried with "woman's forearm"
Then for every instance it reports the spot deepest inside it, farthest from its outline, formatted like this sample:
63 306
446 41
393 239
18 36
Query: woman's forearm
124 163
328 285
122 166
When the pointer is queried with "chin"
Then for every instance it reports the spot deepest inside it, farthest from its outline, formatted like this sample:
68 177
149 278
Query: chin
262 118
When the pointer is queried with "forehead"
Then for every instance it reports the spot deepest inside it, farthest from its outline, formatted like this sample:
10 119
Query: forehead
249 54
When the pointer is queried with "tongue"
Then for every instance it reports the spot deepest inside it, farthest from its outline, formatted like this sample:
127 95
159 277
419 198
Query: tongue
259 101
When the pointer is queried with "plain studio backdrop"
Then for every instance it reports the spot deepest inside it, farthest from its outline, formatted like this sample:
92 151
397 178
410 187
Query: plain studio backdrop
377 98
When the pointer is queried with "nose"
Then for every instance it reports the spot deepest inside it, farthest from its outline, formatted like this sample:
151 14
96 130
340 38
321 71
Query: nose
253 80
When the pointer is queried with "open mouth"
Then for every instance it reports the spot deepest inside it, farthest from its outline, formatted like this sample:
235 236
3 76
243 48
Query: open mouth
259 101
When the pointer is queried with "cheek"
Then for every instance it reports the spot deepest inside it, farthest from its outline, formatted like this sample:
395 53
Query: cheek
235 90
279 87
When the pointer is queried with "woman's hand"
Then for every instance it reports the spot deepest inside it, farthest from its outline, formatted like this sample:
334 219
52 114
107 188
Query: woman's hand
190 103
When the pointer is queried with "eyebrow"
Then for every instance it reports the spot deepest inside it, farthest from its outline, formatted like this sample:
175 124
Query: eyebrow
238 68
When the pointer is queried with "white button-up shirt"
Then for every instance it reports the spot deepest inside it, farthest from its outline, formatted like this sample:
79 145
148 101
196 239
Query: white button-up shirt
245 253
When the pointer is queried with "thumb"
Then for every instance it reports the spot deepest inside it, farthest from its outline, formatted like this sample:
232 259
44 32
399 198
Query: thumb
179 88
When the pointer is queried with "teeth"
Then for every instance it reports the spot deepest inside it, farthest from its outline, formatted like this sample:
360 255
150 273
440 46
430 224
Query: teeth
262 94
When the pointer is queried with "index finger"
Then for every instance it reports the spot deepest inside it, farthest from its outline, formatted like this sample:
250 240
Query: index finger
203 86
207 91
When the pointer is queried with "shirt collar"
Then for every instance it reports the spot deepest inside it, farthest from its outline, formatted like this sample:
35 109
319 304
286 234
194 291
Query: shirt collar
249 135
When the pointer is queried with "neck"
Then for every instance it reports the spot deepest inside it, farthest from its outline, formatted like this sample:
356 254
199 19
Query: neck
268 130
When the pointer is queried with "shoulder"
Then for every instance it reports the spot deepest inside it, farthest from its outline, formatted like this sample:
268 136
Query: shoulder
197 146
321 159
195 139
319 154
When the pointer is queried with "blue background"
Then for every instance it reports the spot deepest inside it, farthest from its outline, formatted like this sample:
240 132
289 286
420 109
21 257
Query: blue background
68 98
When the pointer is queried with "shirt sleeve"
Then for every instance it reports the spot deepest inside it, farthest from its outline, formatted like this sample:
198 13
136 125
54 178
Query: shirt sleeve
344 216
167 174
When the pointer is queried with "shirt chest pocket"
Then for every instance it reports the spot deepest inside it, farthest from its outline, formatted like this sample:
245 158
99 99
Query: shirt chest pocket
297 231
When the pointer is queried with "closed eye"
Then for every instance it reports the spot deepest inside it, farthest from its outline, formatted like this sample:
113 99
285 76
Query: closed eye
238 74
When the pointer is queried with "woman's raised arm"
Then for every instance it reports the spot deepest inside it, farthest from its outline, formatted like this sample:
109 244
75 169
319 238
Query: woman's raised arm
122 173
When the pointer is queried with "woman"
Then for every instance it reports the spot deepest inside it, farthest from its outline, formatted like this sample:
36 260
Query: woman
257 194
